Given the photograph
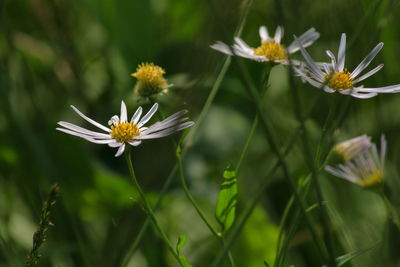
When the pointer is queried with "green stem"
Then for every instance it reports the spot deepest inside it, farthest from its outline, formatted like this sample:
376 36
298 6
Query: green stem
285 216
191 199
146 224
148 209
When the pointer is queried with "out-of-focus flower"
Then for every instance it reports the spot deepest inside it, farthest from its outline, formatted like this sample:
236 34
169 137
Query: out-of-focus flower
150 80
333 77
123 131
365 169
350 148
271 49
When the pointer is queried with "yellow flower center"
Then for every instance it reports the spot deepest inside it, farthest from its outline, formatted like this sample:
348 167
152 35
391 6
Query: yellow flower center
124 132
271 50
339 80
373 179
150 79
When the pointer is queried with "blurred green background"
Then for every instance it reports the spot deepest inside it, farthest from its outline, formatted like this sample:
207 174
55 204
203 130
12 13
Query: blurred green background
54 53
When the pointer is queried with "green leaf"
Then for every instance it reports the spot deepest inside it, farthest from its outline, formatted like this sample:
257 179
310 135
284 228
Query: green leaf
226 203
181 243
184 261
179 246
341 260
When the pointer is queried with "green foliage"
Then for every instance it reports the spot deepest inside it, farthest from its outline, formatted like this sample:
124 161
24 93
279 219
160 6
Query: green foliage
225 209
179 246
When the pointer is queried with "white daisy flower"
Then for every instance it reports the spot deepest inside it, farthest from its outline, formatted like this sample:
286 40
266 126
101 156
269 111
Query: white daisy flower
123 132
350 148
333 77
365 169
271 49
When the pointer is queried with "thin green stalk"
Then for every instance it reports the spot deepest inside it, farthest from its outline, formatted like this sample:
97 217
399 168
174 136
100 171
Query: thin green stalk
314 173
148 209
285 216
190 197
274 147
146 224
247 144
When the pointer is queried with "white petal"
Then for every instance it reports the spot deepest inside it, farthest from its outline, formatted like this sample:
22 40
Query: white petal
90 120
366 61
148 116
115 144
278 34
386 89
163 125
135 143
86 137
79 129
248 54
124 116
328 89
243 45
263 33
310 62
368 74
136 116
114 120
308 79
341 174
333 59
121 150
165 132
221 47
306 39
341 53
363 96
